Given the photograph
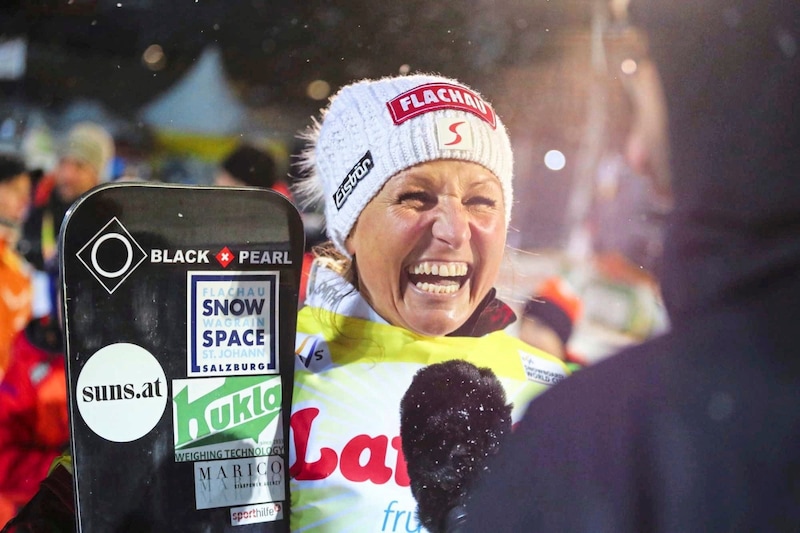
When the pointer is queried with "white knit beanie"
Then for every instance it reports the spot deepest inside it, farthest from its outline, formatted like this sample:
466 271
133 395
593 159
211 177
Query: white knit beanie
92 144
373 129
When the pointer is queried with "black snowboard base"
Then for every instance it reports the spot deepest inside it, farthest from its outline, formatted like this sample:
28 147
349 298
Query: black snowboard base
179 307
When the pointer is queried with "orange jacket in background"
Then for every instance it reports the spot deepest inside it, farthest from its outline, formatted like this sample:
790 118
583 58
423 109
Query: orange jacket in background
15 299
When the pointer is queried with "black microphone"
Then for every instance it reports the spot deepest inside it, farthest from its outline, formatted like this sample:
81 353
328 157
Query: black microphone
453 417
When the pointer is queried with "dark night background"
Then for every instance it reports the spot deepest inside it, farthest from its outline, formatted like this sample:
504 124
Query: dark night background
272 48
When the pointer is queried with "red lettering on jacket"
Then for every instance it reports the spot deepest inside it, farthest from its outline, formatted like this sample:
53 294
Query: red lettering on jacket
400 469
301 425
373 450
375 470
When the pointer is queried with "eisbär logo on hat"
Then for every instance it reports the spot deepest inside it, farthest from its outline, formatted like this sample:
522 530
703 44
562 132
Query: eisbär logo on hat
356 174
435 96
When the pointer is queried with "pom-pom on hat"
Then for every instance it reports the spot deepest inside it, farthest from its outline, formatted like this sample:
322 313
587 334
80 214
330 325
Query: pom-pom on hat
373 129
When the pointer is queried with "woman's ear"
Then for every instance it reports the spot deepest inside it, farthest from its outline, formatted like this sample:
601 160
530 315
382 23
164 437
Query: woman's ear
348 245
348 242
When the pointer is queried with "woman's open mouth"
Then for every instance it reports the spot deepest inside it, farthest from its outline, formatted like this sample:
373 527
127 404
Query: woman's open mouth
438 278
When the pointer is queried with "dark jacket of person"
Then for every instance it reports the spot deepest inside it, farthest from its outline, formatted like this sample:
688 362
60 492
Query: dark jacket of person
699 430
39 240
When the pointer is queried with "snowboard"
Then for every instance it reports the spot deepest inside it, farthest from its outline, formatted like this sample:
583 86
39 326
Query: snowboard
179 308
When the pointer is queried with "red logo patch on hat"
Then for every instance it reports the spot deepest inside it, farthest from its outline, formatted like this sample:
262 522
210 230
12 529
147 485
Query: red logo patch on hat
435 96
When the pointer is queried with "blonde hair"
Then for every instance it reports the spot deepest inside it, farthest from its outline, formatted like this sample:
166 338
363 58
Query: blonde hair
329 256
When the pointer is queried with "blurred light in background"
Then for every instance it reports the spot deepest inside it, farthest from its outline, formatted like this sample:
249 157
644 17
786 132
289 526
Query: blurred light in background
13 57
629 66
318 89
154 57
555 160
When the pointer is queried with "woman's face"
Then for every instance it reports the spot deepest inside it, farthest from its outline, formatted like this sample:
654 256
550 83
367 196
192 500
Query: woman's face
15 197
428 247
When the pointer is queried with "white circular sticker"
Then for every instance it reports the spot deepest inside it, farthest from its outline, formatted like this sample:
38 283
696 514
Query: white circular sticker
122 392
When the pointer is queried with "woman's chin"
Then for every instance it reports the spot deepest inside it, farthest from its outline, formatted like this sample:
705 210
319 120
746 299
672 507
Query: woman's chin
435 323
435 315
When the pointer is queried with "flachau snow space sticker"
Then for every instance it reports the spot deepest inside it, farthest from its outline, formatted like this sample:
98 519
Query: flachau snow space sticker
232 323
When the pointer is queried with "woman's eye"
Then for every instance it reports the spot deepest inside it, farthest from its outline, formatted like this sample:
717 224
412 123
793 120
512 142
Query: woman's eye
481 201
417 199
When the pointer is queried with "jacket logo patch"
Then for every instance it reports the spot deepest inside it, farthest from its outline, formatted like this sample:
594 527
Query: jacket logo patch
312 351
541 370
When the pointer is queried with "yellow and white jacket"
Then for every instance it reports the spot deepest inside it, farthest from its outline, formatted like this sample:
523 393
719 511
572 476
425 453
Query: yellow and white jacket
352 369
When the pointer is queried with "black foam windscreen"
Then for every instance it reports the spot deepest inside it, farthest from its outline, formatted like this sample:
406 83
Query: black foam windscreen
453 417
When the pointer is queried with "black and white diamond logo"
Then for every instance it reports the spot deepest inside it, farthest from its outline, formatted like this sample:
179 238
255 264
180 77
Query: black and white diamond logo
111 255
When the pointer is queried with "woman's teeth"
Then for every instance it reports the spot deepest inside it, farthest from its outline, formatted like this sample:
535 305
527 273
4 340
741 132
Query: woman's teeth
444 282
436 269
449 287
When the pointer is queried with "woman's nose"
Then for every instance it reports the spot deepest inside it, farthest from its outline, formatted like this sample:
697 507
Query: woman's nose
451 224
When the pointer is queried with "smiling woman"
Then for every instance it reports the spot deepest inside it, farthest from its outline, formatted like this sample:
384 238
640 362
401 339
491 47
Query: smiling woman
415 174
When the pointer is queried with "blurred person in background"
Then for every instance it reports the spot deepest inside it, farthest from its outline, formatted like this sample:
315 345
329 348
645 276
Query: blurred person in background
15 272
84 158
631 197
699 429
248 165
549 318
34 426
